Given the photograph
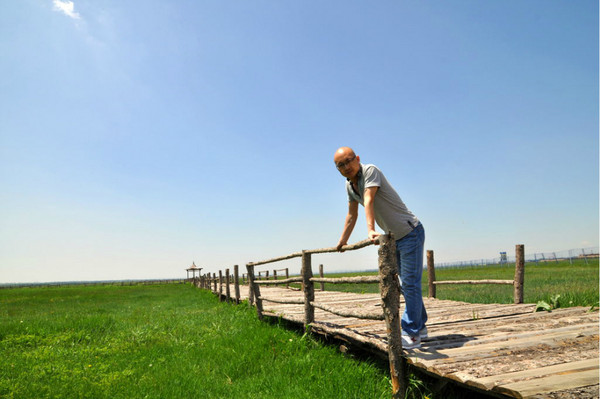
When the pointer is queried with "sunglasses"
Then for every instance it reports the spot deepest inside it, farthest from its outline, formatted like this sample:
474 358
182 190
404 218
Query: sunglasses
345 163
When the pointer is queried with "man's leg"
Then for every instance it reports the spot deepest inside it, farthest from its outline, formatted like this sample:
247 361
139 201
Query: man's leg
409 251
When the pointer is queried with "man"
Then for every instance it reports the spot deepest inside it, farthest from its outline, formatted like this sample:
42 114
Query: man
366 185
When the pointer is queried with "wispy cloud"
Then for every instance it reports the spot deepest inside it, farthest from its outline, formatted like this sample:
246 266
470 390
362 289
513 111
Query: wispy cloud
66 7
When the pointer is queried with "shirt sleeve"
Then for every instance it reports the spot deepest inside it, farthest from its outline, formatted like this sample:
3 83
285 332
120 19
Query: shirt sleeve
351 197
372 176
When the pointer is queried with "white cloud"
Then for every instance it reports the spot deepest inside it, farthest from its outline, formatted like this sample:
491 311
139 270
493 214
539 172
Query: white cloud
67 7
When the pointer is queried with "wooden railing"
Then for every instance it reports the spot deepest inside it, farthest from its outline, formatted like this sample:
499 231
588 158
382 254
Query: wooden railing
388 286
387 279
517 283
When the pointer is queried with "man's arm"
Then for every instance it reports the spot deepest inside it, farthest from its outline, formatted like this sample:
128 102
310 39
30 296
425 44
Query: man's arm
348 224
370 211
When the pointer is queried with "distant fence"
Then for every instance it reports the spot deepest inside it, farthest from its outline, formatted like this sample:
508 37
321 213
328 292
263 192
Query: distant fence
584 254
88 283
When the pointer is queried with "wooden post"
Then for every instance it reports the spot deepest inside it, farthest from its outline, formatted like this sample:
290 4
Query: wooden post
220 285
309 291
250 291
519 272
321 275
255 291
390 300
275 277
215 281
287 275
431 273
227 290
236 283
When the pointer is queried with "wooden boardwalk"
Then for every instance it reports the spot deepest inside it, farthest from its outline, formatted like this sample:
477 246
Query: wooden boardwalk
504 350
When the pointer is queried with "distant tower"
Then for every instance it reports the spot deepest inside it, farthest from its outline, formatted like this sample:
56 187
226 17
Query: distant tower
503 259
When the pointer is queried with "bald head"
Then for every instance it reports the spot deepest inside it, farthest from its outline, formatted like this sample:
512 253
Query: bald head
343 153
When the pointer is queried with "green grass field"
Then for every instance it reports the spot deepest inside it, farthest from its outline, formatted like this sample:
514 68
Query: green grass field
576 284
169 341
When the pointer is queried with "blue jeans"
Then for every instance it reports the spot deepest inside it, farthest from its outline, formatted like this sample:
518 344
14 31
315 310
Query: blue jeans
409 252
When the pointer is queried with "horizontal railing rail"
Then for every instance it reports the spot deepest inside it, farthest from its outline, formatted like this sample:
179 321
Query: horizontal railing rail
517 282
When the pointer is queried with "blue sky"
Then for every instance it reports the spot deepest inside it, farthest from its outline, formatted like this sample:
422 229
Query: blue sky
137 137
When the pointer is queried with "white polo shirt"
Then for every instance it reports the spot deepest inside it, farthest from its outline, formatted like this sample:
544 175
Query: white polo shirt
390 212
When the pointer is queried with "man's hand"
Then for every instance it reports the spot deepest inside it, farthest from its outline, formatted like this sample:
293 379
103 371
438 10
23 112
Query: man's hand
339 246
373 235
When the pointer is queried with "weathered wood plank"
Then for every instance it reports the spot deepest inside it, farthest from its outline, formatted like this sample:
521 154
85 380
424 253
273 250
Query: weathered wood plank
517 376
553 383
286 301
350 313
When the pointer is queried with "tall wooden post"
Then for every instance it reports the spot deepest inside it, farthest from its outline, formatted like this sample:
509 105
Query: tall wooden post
321 275
309 290
215 282
390 300
220 285
275 277
287 275
431 273
227 290
255 291
519 272
236 283
250 291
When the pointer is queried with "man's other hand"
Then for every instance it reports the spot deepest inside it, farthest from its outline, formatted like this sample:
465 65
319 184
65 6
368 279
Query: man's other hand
373 236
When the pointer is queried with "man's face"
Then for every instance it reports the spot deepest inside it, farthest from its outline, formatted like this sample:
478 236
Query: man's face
347 163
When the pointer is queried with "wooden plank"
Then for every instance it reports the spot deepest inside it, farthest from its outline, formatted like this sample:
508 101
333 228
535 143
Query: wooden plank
286 301
512 342
369 324
471 353
506 337
511 324
552 383
353 313
564 368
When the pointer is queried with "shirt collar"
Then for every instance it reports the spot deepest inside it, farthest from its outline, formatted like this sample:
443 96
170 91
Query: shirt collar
359 174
